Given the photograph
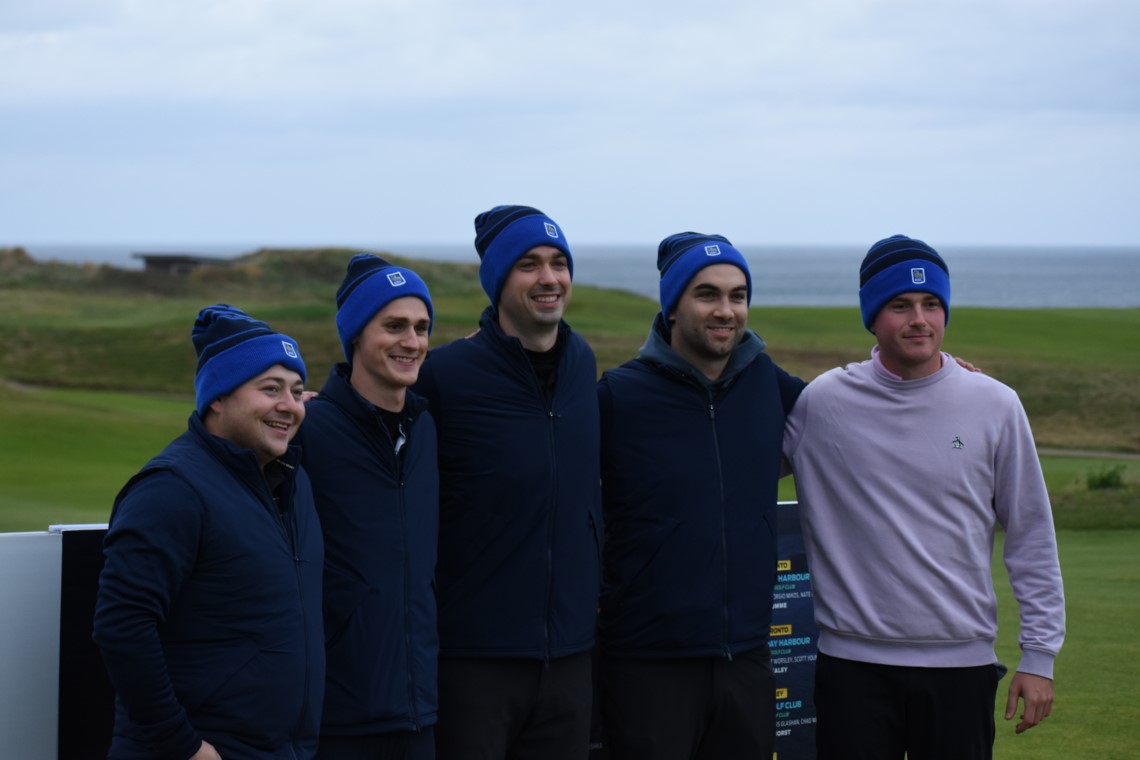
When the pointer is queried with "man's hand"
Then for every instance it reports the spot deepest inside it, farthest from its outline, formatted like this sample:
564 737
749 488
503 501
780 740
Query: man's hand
1037 694
206 752
966 365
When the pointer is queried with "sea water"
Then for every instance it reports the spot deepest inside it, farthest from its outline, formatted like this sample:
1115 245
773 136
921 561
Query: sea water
791 275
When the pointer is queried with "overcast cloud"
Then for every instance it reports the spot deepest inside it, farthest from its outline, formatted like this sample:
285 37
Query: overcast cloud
381 122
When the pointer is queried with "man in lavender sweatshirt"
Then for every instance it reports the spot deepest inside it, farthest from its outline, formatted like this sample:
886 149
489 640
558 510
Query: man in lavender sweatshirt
906 465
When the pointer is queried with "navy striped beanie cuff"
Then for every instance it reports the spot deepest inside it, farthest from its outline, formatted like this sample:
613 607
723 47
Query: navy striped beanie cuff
370 284
504 234
681 256
234 348
897 265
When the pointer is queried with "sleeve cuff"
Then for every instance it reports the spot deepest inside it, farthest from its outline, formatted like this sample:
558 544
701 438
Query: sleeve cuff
1037 663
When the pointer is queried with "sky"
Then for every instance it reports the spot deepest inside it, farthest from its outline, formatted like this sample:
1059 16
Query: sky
378 122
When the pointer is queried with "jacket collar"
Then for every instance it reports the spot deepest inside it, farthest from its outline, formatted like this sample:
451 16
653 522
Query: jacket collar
658 351
242 461
338 389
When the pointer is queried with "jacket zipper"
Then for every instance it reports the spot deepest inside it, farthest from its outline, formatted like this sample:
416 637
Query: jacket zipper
292 530
723 526
409 652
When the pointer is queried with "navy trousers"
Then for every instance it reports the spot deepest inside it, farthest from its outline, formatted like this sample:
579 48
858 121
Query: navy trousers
503 709
692 708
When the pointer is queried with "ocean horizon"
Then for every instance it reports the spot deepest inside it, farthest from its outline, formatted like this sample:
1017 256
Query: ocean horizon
1000 276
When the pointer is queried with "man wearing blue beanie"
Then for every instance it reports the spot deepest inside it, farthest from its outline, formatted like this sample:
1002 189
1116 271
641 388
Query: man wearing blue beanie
370 284
520 519
370 448
691 433
923 461
209 607
232 348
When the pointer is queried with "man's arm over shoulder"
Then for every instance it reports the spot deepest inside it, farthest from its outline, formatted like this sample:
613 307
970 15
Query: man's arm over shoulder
605 414
427 385
149 553
796 414
790 388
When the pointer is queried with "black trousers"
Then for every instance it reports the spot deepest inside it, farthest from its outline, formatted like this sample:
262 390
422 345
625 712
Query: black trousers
693 708
866 711
395 745
503 709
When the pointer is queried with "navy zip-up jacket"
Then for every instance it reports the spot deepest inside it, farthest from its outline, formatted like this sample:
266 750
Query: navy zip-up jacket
520 518
380 516
209 607
690 469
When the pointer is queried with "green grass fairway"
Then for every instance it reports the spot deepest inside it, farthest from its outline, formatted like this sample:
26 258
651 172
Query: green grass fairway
1097 710
67 453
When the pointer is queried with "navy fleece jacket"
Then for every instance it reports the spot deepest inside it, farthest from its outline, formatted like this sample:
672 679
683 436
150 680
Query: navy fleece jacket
690 469
380 516
520 504
209 607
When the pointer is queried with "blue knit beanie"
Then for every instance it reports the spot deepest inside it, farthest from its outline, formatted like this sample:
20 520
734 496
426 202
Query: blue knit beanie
900 264
504 234
369 285
681 256
233 348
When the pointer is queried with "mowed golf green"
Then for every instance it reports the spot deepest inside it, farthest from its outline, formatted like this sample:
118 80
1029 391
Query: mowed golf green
97 372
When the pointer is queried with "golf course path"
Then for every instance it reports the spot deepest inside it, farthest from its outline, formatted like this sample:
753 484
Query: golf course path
1087 454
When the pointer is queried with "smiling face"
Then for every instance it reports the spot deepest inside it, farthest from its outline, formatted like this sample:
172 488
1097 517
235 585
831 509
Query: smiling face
909 330
262 415
710 318
389 351
534 297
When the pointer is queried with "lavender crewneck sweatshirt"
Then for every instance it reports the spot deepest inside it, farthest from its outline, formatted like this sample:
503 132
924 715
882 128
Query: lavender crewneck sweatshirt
901 485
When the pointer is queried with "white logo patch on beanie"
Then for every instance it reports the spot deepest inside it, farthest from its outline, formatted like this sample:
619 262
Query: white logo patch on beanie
918 276
396 279
712 250
550 229
290 349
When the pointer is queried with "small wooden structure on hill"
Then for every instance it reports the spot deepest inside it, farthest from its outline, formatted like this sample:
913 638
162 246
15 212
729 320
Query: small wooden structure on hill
177 264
